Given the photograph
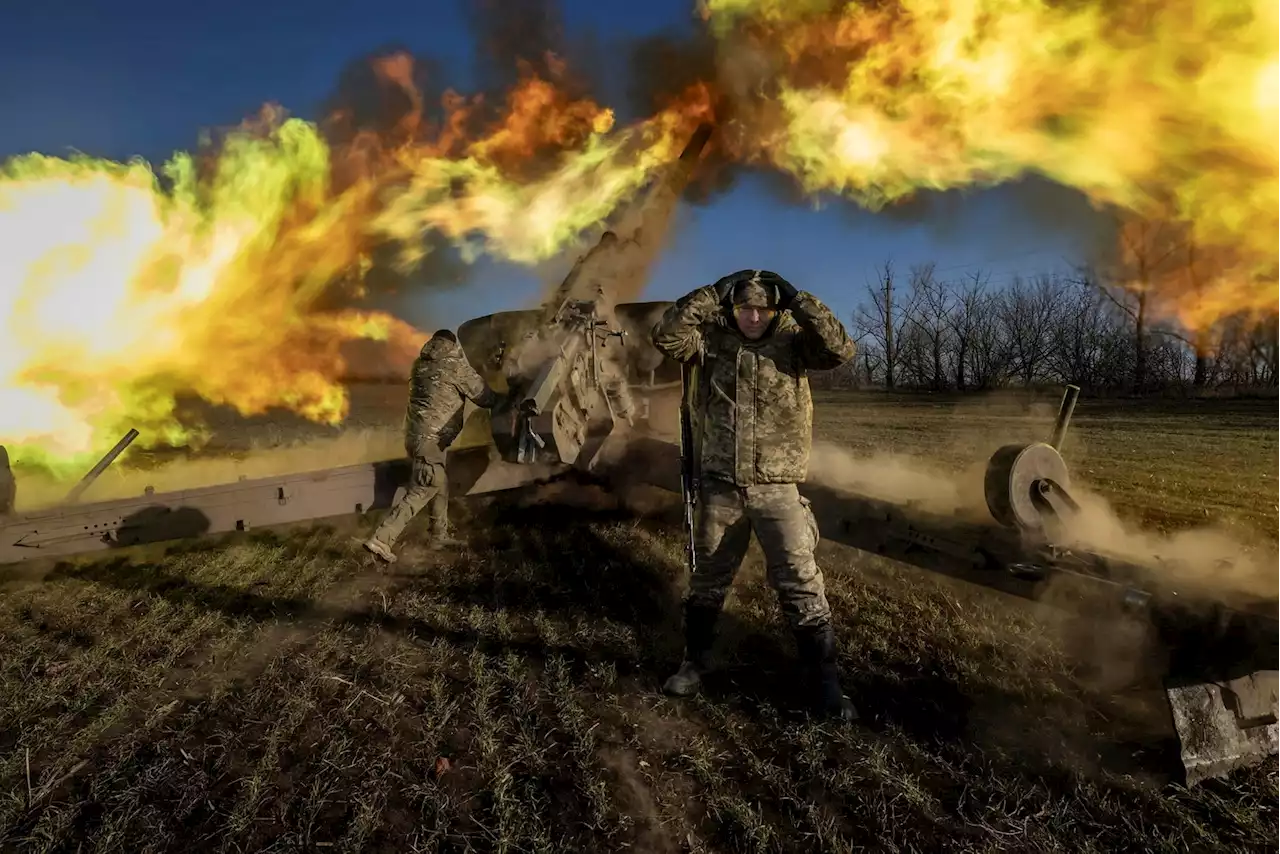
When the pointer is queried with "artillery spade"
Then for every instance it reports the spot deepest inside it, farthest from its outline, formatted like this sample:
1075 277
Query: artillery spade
1027 486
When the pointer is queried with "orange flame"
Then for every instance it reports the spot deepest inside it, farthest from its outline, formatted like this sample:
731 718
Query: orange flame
123 296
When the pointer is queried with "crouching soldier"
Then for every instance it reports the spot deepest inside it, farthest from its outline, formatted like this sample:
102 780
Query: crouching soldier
441 384
751 338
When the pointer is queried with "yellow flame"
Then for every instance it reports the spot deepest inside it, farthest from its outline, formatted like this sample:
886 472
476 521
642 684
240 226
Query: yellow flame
469 197
123 297
119 296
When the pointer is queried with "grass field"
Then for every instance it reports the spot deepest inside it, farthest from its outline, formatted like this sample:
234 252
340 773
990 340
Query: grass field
281 693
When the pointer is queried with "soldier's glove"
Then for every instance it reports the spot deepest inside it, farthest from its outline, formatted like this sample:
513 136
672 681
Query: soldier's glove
725 285
785 290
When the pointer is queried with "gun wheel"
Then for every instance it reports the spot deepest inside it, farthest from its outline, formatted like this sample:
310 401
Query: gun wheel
1011 477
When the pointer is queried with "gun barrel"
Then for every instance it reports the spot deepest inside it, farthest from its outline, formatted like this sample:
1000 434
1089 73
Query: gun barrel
697 142
688 467
101 466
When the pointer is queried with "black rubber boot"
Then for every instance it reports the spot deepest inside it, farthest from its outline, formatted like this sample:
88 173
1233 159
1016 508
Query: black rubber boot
699 635
817 648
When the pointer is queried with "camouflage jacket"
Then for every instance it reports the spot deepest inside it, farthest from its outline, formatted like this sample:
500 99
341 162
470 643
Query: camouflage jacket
752 411
441 384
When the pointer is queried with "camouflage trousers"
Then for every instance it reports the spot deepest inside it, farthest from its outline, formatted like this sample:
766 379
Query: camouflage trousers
619 394
428 486
788 535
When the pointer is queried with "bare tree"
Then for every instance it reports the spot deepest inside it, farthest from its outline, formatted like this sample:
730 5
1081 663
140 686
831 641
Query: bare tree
881 322
1200 337
1099 332
1087 342
1027 314
1146 249
967 314
929 316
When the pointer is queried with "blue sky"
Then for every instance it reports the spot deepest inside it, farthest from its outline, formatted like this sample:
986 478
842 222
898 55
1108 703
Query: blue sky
144 77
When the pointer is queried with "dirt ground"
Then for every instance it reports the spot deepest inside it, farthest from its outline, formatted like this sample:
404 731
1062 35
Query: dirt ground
280 692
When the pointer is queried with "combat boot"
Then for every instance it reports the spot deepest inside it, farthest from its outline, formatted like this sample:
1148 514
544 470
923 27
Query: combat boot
817 648
379 548
699 634
441 538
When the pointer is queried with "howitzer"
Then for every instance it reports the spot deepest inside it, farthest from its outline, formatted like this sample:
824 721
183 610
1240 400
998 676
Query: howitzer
101 466
578 371
572 370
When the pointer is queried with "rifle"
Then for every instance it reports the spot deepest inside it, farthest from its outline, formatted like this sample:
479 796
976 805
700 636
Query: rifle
689 485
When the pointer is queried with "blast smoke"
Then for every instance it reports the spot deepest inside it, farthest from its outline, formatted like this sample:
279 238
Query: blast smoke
1209 558
662 65
511 36
659 68
382 99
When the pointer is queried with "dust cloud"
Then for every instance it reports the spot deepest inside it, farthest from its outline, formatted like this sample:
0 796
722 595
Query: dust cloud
899 479
1208 558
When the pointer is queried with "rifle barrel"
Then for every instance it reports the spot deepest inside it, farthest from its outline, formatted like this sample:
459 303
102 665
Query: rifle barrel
688 478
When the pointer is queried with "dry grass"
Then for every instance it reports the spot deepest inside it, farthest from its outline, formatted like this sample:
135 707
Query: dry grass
278 693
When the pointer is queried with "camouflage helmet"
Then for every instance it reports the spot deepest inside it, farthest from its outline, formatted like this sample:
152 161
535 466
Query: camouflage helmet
441 342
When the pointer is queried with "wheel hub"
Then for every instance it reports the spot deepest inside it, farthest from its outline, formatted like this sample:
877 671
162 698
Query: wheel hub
1017 480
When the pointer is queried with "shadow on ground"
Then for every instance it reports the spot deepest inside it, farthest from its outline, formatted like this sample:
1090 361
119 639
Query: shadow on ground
597 568
558 625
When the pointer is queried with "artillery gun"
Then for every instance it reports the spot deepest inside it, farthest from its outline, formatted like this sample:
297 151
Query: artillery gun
585 392
566 365
579 373
1220 672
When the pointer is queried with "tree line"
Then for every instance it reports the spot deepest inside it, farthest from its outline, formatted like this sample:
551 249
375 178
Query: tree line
924 332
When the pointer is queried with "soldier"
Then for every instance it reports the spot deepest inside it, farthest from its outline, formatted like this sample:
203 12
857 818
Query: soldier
753 337
441 383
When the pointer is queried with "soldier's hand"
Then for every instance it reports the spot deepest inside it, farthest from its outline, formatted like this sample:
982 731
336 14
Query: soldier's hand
786 291
724 286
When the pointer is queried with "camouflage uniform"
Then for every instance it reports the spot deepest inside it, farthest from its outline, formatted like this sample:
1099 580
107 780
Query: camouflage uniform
614 380
442 382
752 418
